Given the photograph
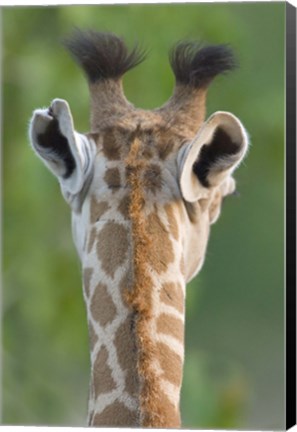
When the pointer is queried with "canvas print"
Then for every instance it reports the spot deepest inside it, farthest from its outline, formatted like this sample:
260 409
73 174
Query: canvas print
144 215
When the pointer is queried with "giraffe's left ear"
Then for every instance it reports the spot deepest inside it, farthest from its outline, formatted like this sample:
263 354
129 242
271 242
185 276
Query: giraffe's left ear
212 156
68 154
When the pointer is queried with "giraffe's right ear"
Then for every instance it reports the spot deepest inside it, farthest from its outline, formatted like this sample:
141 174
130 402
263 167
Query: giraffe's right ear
68 154
210 159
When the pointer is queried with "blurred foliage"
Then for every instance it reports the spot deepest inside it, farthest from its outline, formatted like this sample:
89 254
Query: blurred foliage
234 331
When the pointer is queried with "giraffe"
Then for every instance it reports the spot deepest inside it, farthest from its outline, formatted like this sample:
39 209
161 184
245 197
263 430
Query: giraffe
144 187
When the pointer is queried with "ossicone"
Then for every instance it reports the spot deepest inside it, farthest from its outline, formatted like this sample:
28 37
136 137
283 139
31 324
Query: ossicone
197 65
102 55
194 66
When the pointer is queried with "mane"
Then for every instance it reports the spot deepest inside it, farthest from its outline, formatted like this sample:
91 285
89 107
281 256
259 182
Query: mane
196 65
139 298
102 55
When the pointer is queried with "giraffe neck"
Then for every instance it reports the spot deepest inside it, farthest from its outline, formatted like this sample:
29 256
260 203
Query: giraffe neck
134 287
114 386
136 332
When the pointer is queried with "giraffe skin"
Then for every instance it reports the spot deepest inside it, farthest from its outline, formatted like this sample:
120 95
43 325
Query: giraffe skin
108 304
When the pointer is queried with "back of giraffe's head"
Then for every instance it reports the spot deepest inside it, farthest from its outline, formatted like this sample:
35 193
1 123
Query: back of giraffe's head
177 154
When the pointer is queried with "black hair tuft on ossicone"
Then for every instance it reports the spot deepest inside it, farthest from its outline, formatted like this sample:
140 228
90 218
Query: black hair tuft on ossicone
196 65
102 55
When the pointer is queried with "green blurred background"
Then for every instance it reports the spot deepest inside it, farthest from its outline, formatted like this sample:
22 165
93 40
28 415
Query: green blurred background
234 358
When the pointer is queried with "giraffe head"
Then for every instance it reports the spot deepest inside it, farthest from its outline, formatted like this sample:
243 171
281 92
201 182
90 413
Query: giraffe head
144 188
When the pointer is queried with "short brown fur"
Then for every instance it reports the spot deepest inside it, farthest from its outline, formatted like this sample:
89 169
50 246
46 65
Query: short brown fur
152 413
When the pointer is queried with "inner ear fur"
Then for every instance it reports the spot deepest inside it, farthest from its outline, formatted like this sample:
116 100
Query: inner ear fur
212 156
57 144
216 156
